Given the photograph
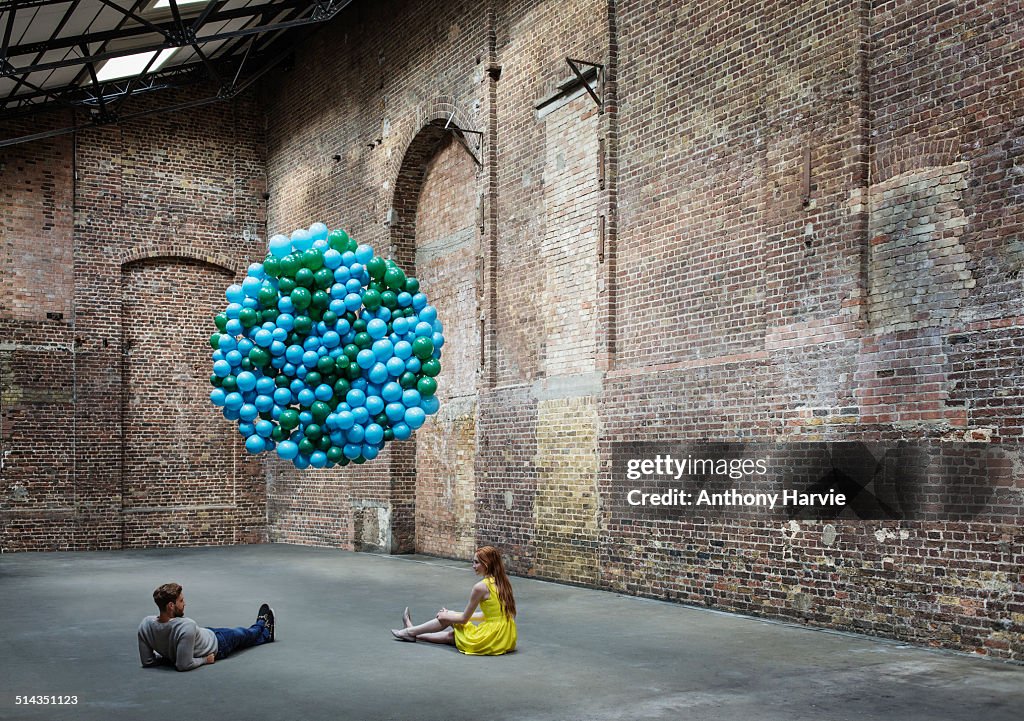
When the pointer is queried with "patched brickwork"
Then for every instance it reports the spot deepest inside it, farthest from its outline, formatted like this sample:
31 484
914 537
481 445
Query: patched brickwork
107 434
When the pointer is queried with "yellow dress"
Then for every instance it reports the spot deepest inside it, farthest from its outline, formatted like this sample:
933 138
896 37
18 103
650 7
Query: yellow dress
494 635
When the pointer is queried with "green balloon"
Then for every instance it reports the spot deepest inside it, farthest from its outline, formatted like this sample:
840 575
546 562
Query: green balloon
313 432
342 362
221 321
312 379
289 419
301 298
431 367
381 419
371 299
389 300
267 296
363 340
338 239
427 386
323 278
290 264
286 285
282 381
321 300
341 387
312 259
303 324
412 286
248 317
324 443
215 380
359 460
215 341
320 411
422 348
246 364
353 372
395 278
271 266
330 318
335 454
359 326
376 268
306 446
351 351
259 357
407 380
278 434
324 365
389 435
229 383
304 277
270 314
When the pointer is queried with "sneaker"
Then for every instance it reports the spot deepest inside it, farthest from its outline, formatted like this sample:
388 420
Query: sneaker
266 614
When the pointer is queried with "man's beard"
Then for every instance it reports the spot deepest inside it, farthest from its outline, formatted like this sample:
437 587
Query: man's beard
179 613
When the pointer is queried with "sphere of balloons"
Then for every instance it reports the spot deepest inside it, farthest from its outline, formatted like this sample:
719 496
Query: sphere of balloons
325 352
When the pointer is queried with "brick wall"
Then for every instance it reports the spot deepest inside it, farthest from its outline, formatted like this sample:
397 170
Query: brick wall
808 233
787 221
120 243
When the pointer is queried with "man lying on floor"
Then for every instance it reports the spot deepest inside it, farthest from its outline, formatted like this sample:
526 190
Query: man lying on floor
173 638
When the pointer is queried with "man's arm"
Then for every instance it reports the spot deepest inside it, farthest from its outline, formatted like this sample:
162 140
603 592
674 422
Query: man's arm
147 655
184 657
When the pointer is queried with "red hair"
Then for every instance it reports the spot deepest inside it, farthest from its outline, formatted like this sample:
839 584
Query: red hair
490 559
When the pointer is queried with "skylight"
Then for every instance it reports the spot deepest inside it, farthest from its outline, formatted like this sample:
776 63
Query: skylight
167 3
129 65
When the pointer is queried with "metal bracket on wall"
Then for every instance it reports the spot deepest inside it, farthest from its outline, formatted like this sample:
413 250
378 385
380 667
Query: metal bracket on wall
460 135
575 66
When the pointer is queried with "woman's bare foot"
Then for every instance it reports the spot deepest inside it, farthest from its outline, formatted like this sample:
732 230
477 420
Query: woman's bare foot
403 635
406 618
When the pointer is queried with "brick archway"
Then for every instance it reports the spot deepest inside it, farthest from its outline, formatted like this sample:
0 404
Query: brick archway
432 148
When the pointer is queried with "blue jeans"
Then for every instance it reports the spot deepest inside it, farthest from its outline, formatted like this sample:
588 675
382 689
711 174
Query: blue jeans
230 640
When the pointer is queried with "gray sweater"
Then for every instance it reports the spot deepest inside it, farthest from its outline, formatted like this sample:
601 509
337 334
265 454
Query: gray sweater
179 641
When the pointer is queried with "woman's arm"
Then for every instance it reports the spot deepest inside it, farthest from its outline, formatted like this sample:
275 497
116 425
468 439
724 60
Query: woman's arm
477 594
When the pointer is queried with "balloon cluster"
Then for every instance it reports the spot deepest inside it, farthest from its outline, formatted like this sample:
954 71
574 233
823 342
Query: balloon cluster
325 352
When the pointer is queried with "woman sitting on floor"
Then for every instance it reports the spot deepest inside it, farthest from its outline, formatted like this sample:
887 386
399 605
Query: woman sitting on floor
495 632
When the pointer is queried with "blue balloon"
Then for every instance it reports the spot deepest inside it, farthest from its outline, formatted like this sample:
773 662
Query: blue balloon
301 239
365 358
353 302
374 405
301 462
404 300
356 434
430 405
351 450
246 381
333 340
419 301
264 428
395 367
265 386
413 365
263 403
234 327
361 415
323 392
370 452
263 338
217 396
332 259
280 246
414 417
401 431
342 274
403 349
306 397
248 412
377 328
310 358
222 369
255 444
277 348
318 231
251 286
391 391
394 411
285 305
246 429
287 450
379 373
410 398
318 459
234 294
374 434
233 401
345 420
355 398
428 313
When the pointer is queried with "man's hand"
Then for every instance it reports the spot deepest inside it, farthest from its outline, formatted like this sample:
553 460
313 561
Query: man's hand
211 658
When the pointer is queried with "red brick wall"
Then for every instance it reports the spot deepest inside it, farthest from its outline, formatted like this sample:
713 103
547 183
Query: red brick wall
808 234
107 435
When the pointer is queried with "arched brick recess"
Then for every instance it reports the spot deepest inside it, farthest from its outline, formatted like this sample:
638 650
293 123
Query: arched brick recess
186 479
437 469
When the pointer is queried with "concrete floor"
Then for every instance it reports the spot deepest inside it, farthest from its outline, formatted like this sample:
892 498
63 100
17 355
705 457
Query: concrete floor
68 620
